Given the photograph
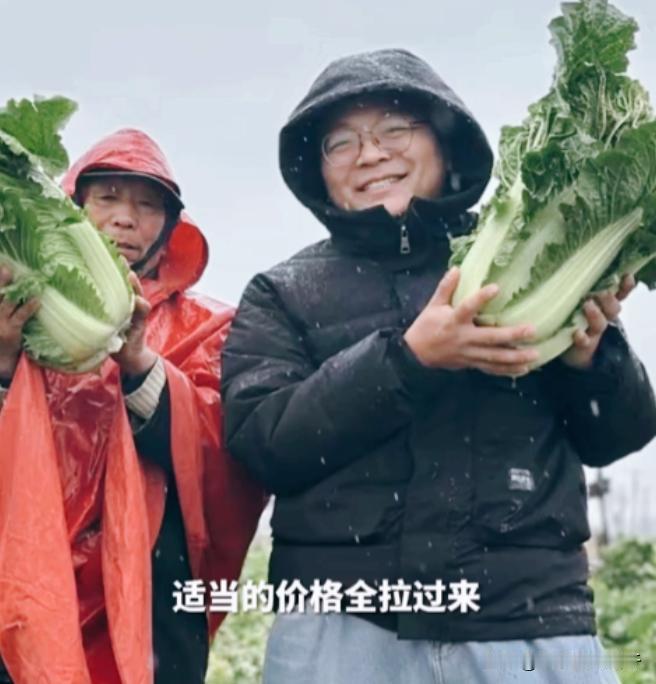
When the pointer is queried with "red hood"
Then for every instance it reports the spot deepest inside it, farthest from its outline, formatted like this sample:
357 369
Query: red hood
132 150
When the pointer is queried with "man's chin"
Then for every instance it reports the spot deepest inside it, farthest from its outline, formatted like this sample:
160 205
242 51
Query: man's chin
396 206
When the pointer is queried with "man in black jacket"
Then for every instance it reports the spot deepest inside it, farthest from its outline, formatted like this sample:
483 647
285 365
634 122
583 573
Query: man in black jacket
405 444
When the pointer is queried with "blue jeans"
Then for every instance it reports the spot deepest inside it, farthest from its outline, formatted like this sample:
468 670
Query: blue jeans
338 648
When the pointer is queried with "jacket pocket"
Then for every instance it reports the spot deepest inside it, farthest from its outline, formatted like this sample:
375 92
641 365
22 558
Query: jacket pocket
531 493
363 503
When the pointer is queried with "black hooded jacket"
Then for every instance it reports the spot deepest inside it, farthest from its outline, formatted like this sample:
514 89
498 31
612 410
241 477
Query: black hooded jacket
383 468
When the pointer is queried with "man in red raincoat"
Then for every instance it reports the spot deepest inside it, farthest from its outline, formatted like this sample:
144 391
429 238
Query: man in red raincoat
115 485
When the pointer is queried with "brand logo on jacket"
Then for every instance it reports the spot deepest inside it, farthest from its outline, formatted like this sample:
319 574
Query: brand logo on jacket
521 479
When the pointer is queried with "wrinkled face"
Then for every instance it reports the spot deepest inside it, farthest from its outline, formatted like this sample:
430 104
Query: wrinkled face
380 173
131 211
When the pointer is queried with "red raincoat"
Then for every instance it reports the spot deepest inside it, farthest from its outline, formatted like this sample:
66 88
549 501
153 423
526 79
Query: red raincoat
80 511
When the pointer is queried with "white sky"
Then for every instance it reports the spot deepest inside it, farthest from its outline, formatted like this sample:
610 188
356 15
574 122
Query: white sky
214 82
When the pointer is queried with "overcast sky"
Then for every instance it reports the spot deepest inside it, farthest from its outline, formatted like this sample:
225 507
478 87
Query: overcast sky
214 82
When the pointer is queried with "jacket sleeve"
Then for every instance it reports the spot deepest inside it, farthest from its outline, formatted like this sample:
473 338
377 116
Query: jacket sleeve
609 410
149 411
293 423
152 438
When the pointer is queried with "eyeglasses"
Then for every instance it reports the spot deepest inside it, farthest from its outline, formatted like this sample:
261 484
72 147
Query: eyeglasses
392 134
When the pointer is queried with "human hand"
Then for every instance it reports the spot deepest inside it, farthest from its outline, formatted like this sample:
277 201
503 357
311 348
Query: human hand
135 357
12 319
443 336
599 311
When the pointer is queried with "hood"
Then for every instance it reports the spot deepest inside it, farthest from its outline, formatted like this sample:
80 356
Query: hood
403 76
132 150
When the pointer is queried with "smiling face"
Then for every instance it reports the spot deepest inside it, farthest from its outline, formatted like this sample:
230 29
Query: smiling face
129 210
378 173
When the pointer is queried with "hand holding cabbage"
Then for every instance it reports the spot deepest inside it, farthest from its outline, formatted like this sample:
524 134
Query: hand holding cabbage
599 312
446 336
54 253
12 320
135 357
